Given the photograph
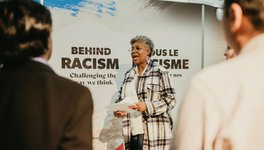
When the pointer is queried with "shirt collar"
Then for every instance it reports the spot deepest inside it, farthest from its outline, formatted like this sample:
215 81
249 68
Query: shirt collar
41 60
253 43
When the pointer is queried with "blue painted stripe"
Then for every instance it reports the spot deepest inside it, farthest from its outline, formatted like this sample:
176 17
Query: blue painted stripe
96 7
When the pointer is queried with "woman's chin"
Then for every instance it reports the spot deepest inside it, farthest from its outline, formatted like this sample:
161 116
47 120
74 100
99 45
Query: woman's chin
135 61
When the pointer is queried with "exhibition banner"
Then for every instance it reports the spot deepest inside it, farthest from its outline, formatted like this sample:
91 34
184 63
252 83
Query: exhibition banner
91 39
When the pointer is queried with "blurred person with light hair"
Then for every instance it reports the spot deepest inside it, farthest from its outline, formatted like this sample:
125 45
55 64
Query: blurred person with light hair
219 113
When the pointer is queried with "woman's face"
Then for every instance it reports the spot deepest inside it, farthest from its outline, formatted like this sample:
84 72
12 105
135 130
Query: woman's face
139 53
230 53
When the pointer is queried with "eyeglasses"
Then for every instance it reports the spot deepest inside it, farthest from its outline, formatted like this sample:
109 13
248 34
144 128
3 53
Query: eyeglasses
136 49
227 48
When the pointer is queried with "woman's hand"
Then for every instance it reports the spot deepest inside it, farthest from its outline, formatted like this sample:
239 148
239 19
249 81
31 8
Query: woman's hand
139 106
119 114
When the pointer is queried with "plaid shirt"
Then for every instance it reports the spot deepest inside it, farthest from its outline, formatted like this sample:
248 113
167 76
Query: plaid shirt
153 88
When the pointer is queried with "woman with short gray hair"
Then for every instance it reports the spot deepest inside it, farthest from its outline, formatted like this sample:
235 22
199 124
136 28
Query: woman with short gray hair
147 87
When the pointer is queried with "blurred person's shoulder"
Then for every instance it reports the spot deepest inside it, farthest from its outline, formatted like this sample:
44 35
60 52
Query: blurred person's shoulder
216 73
70 85
217 85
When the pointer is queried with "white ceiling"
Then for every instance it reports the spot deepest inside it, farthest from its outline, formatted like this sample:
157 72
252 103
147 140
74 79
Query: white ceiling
214 3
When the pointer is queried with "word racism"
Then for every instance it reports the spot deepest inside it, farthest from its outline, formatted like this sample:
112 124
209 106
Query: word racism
89 63
170 63
113 63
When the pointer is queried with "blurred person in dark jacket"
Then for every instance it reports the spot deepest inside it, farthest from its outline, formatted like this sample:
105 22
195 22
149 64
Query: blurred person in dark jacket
39 110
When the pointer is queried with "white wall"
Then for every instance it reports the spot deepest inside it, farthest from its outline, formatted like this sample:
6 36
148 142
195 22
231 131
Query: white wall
214 41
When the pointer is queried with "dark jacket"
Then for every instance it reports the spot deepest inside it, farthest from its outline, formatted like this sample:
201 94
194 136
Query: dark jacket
40 110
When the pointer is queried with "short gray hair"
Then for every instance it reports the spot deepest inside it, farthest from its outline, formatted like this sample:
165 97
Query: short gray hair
144 39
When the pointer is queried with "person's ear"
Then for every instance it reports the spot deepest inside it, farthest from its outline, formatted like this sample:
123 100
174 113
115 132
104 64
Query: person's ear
236 16
48 51
149 51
